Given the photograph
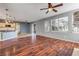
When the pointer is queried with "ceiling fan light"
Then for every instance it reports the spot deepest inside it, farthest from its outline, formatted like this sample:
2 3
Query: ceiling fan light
50 9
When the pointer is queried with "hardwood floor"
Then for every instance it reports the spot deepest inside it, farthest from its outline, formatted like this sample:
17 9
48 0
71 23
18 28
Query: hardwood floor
43 46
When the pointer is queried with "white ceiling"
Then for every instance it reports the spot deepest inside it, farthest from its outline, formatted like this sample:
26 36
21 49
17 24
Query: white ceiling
31 11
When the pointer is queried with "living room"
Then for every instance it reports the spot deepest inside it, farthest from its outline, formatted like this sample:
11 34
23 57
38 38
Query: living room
39 29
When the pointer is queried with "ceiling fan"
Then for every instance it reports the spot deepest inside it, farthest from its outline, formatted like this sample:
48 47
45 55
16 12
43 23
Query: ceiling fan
51 7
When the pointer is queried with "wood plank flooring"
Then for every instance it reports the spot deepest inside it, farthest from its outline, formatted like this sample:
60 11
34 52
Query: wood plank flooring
43 46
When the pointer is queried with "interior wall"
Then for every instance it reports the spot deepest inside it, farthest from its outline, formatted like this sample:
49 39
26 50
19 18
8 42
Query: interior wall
25 27
40 29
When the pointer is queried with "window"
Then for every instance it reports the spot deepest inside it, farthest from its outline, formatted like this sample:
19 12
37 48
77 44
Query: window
76 22
54 25
47 26
60 24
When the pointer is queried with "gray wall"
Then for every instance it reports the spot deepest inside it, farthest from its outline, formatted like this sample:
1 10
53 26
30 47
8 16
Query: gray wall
25 27
40 29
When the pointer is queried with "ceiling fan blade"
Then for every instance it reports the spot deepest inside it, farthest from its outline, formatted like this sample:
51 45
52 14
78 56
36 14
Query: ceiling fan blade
43 8
57 5
47 11
54 10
